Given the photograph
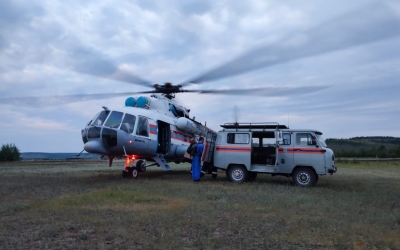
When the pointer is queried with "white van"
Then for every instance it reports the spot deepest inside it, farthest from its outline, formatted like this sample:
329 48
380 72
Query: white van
245 149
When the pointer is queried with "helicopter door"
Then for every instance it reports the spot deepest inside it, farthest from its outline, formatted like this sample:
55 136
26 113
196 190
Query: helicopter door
163 137
142 133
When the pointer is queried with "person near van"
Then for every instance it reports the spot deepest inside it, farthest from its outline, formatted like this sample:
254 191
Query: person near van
191 150
196 161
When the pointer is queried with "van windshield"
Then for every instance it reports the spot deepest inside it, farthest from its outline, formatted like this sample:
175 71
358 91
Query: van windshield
321 140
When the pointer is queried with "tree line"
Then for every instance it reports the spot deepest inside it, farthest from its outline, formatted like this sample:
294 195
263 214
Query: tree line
380 152
9 152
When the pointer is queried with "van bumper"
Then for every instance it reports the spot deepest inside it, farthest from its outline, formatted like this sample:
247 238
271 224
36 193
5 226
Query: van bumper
332 170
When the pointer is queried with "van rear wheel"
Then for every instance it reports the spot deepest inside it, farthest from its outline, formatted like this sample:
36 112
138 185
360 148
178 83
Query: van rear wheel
305 177
237 174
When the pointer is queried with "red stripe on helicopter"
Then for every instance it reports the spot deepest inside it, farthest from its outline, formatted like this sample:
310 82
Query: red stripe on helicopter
233 149
153 129
179 136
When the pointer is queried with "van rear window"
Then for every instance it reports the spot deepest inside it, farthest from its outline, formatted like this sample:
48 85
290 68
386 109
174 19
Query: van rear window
238 138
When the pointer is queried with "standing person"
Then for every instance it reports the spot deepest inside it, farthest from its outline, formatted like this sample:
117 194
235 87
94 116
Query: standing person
192 151
196 161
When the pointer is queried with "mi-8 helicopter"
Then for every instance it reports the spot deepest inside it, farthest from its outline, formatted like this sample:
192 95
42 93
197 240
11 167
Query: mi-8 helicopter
157 128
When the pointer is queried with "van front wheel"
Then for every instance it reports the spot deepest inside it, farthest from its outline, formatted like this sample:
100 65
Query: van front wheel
305 177
237 174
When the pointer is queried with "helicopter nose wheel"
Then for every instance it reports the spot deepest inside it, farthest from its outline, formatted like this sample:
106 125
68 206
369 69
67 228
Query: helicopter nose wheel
141 166
131 172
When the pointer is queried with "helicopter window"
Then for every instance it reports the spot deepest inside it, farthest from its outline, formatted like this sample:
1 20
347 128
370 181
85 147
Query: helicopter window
234 138
100 118
128 123
143 126
114 120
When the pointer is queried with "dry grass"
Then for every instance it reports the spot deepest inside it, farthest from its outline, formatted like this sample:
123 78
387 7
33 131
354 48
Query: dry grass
86 205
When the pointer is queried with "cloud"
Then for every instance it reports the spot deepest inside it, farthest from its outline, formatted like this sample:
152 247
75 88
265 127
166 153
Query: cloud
45 46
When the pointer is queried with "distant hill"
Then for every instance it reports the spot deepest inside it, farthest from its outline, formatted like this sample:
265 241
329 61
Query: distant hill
368 146
56 156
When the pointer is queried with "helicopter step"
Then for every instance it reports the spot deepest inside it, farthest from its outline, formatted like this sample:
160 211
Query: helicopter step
159 158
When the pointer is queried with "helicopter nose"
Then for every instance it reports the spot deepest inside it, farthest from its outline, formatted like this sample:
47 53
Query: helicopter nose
95 147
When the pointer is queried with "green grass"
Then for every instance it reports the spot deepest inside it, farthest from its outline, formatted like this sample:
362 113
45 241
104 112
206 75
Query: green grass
86 205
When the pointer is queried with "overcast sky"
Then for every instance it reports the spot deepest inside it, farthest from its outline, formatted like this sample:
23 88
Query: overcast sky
48 47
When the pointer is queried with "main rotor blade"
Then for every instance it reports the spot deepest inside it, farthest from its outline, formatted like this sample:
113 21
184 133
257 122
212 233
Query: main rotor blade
369 24
89 62
46 101
270 91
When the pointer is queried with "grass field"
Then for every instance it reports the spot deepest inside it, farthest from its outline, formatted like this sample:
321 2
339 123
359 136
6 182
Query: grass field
86 205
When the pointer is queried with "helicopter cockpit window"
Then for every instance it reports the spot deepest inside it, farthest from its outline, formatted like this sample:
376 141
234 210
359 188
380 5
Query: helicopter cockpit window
99 119
128 123
114 120
143 126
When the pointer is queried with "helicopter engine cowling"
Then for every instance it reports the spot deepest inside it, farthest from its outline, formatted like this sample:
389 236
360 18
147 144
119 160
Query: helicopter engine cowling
190 126
180 151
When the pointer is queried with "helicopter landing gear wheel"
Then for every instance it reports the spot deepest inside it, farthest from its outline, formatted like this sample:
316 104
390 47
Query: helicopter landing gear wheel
141 166
133 172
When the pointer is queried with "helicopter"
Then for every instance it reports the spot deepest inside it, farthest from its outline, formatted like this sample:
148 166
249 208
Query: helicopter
156 128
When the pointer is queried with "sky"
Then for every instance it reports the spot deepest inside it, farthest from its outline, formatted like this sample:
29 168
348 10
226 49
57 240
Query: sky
52 48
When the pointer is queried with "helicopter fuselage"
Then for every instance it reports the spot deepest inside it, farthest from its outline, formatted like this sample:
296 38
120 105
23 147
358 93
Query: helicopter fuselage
144 128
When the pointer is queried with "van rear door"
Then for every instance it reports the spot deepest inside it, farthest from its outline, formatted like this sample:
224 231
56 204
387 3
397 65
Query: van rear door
233 148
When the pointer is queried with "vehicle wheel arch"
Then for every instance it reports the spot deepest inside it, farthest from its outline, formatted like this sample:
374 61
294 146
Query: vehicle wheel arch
236 164
303 166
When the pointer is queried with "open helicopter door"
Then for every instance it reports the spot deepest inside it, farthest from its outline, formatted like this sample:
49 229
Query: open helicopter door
163 137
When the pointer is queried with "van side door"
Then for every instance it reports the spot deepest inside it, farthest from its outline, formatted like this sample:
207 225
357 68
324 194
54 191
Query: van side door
306 152
284 161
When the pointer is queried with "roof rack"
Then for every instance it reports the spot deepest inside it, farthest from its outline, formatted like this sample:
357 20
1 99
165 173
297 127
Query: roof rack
258 125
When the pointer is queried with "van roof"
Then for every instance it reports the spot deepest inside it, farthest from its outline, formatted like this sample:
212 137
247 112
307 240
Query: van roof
258 127
255 125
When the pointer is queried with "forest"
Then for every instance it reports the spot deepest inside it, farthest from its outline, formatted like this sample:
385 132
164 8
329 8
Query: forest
366 146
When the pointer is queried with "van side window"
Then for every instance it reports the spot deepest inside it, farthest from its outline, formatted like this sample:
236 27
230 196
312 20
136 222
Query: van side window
305 139
285 139
238 138
143 127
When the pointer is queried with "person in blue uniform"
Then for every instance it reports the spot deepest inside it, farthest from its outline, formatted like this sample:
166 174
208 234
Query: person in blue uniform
196 161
